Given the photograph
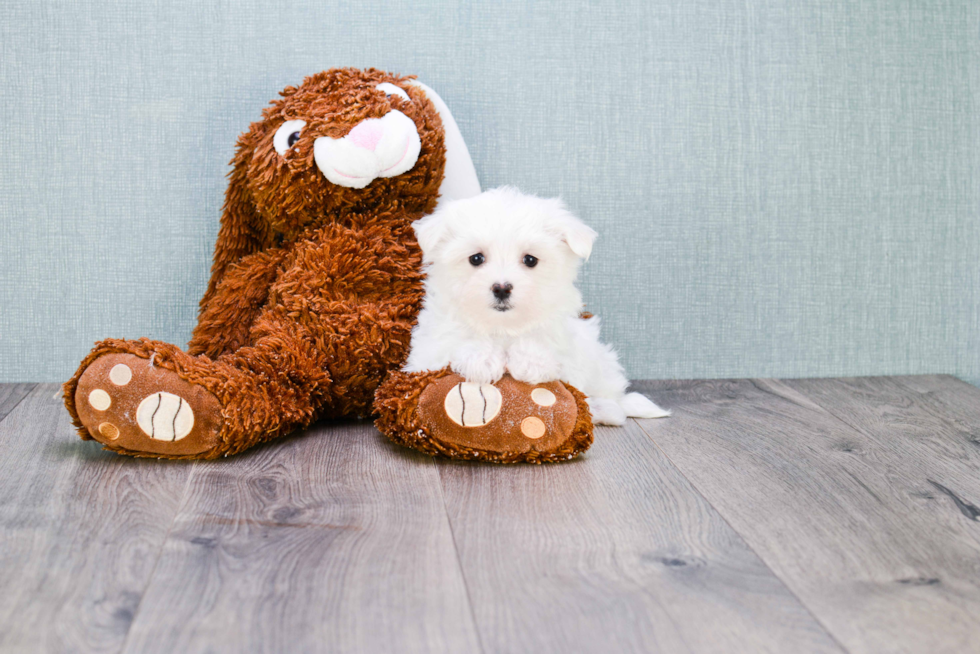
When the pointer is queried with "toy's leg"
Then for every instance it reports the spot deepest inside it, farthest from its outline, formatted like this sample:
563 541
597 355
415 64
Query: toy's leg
147 398
317 342
504 422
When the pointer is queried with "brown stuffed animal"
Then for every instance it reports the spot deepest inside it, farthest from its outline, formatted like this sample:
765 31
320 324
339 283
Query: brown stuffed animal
508 421
316 281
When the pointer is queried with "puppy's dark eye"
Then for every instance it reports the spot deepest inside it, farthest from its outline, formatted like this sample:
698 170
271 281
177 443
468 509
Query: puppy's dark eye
530 260
291 141
477 259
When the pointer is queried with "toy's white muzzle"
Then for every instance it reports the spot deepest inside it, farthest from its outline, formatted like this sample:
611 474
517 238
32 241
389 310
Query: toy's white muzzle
376 147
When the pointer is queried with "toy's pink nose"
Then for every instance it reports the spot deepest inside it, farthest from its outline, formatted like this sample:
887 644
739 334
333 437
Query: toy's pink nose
367 133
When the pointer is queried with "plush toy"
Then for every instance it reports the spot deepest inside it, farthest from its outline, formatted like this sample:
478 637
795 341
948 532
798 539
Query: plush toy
315 287
506 422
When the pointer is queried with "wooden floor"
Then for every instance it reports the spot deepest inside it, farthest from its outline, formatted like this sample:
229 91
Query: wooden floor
820 515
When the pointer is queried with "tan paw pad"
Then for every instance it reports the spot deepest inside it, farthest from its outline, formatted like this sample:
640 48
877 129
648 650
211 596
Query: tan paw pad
472 405
165 416
121 374
543 397
533 427
109 430
99 399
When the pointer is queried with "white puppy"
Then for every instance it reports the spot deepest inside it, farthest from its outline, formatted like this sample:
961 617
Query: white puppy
500 296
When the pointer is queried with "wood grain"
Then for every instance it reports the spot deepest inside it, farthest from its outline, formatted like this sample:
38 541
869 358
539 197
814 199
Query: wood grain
934 431
332 541
614 552
799 515
11 395
80 531
844 515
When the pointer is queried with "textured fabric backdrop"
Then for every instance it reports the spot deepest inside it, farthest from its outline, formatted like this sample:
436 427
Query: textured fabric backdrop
782 187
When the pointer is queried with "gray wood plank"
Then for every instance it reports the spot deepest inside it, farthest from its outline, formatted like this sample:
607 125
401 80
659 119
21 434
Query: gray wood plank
333 541
80 531
11 395
844 518
932 423
614 552
957 400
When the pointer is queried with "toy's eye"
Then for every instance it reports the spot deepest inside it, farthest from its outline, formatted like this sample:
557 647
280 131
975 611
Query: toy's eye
391 89
530 260
477 259
287 135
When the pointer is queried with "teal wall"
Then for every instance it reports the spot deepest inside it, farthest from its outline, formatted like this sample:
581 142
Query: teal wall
782 187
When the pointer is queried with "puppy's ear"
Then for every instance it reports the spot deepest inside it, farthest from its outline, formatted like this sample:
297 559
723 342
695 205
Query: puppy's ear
430 231
573 231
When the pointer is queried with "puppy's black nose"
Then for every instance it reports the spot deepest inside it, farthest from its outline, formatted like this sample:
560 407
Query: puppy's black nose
502 291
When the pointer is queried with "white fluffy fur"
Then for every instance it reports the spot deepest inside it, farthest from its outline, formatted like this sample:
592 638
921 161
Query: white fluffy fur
536 333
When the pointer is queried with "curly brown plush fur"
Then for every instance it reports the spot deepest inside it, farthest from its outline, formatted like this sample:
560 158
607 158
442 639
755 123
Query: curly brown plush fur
314 287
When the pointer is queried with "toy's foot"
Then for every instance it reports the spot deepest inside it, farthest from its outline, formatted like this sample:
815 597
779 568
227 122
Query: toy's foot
131 406
505 422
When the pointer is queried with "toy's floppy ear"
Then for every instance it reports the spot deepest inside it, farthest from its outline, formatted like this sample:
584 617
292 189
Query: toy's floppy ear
573 231
430 231
241 232
459 181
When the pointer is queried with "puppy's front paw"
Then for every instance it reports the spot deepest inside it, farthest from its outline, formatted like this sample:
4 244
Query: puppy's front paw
481 365
532 363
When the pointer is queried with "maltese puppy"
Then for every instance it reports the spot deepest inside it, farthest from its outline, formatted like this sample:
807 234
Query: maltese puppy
500 297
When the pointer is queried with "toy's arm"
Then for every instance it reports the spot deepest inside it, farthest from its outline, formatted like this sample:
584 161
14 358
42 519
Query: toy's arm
225 321
242 230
